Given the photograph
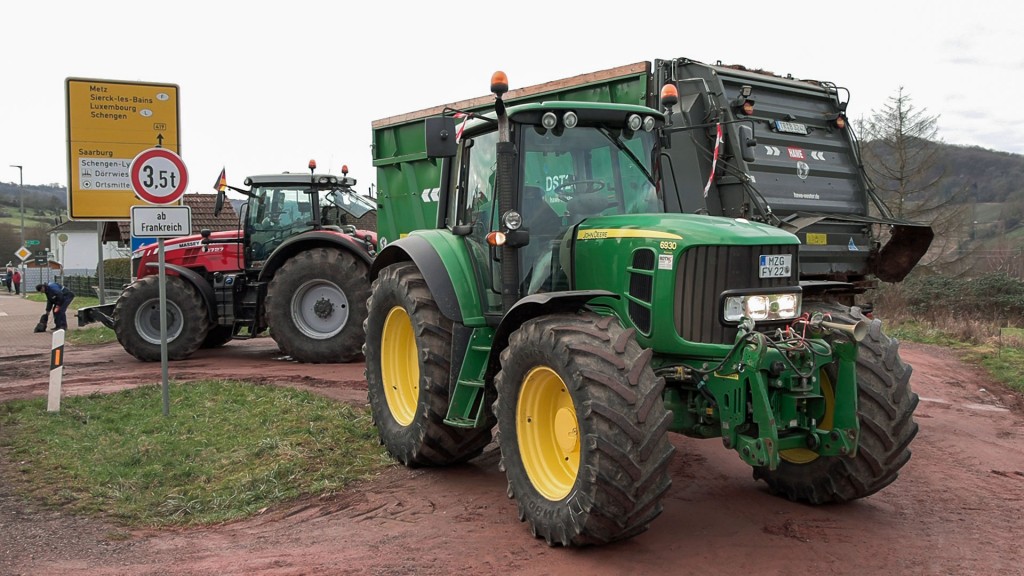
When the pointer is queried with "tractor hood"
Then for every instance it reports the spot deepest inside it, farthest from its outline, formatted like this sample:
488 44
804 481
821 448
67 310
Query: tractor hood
688 229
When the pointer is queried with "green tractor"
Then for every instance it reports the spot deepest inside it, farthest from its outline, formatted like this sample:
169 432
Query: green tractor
556 301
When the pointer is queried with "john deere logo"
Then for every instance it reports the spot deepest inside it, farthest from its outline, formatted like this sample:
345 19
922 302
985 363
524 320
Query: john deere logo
605 233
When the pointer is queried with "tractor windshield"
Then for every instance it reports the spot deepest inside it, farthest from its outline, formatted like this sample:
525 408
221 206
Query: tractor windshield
276 212
588 171
336 202
578 173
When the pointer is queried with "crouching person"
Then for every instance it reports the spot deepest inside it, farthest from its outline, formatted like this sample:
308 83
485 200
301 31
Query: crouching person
57 299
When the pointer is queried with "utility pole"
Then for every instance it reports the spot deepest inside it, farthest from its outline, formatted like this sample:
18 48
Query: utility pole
21 191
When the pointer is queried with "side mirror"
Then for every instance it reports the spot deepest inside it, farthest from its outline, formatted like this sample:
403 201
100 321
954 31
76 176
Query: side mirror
747 143
440 135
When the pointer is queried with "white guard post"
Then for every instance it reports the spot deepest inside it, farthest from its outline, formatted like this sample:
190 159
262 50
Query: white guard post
56 371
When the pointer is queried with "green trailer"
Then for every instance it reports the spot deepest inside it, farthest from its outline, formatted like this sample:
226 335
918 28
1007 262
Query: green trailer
740 143
549 295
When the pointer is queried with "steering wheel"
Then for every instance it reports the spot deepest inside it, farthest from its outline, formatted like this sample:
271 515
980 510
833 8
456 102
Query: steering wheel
579 187
271 237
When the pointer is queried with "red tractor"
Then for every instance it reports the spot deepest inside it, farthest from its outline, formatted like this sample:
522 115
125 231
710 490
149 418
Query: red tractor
295 266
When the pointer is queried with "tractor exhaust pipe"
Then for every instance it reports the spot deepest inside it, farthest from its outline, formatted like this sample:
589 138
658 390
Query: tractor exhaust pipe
856 331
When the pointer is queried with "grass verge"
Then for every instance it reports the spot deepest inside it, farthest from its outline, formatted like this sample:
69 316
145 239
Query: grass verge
1001 356
1005 363
227 451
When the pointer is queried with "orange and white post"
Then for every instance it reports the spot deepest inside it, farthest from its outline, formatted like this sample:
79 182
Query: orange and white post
56 371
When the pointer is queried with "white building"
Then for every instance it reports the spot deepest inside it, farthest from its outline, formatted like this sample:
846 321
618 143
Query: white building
75 246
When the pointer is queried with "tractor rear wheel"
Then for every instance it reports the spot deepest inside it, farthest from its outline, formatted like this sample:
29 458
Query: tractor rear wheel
408 360
582 429
316 306
137 319
885 407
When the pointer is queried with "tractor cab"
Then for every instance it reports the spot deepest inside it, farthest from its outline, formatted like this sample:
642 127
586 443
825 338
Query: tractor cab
574 162
281 206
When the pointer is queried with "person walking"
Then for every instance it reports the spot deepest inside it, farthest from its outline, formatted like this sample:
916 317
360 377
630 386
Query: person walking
57 299
17 282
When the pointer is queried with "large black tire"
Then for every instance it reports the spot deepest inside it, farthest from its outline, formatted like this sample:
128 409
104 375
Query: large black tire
408 355
217 337
316 304
583 429
885 406
137 319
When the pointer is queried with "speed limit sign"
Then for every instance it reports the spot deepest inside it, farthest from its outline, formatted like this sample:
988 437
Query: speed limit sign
158 176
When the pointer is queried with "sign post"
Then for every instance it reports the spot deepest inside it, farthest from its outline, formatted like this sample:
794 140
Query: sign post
159 177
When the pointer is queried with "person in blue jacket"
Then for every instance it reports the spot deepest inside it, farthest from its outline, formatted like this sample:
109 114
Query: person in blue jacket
57 299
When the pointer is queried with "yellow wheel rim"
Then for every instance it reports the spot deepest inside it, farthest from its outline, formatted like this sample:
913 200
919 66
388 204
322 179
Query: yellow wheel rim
548 433
803 455
399 369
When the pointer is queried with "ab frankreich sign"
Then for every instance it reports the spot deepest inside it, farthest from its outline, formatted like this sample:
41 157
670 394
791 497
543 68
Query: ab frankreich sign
161 221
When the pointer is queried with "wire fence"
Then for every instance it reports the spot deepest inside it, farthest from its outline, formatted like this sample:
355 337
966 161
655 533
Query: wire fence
82 283
90 285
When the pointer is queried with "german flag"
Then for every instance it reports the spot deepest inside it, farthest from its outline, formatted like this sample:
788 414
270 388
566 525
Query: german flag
222 182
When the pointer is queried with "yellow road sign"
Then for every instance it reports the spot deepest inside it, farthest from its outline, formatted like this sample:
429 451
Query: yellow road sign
109 123
23 253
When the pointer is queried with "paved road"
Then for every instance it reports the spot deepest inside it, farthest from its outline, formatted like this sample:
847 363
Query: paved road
18 316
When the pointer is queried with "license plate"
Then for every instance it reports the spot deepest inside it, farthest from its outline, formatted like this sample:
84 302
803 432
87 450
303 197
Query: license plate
791 127
775 265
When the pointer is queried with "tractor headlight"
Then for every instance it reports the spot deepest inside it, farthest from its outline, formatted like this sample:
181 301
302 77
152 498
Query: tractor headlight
761 307
513 220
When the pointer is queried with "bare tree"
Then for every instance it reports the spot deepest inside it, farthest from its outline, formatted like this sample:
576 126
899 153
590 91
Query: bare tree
903 157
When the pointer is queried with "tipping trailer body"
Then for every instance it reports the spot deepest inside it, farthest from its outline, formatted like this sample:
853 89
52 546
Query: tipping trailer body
791 162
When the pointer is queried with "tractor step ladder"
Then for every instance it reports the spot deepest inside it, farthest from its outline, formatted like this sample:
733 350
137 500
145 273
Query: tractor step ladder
466 406
246 326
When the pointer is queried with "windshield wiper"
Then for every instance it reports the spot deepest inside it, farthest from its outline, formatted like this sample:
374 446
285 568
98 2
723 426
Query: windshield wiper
625 150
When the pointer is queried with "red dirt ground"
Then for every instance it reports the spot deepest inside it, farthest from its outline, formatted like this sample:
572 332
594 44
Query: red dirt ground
956 508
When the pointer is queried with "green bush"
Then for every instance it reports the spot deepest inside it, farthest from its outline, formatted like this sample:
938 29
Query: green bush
993 296
118 267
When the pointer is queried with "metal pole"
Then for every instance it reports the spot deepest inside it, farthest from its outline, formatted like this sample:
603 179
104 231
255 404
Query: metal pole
162 291
100 279
21 191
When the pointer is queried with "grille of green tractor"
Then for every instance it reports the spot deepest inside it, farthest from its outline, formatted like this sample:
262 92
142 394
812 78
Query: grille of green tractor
704 272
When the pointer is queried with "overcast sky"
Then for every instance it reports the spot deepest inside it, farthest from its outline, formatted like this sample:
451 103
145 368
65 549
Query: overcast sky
267 86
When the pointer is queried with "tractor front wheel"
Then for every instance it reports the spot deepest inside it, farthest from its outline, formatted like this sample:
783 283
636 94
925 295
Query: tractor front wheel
408 355
885 409
137 319
582 429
